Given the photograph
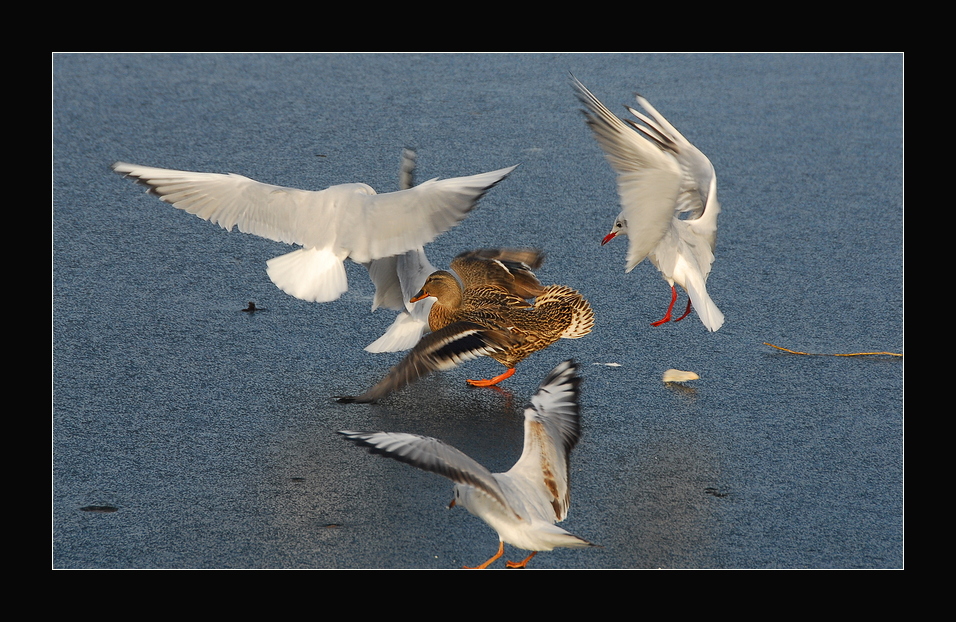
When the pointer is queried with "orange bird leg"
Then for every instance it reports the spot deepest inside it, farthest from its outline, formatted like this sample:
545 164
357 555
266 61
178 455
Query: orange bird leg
495 380
685 312
501 551
522 563
667 316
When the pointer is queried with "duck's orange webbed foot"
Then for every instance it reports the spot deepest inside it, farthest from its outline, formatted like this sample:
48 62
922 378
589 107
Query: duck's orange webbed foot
495 380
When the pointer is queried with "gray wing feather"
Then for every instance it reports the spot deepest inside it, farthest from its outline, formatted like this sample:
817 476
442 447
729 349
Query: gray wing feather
430 454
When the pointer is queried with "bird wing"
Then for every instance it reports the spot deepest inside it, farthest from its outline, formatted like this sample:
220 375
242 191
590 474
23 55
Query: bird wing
430 454
392 223
551 429
350 217
698 185
648 178
397 279
698 180
406 330
393 279
406 170
443 349
507 269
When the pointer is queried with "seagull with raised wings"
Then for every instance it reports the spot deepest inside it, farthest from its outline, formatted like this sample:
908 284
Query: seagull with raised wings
660 177
524 503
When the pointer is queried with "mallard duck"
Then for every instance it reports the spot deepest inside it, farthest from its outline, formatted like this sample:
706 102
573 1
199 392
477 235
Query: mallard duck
524 503
660 176
498 309
331 225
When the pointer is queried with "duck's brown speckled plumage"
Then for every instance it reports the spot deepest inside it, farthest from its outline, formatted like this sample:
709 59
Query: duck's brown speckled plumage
499 306
496 290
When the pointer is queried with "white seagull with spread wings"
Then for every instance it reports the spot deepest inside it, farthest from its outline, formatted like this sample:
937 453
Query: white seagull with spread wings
340 222
523 504
660 175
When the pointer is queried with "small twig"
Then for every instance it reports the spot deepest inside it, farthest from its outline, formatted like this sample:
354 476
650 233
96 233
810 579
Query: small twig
853 354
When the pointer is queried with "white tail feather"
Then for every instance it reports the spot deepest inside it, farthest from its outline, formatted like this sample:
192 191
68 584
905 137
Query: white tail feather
404 333
311 274
706 310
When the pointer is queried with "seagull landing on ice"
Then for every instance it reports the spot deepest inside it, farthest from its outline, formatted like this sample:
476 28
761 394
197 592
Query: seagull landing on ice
523 504
660 175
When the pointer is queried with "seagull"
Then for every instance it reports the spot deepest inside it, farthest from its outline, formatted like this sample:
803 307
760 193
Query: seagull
660 176
397 279
342 221
401 276
523 504
483 308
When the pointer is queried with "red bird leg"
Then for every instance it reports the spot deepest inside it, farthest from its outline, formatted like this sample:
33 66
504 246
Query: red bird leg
495 380
667 316
685 312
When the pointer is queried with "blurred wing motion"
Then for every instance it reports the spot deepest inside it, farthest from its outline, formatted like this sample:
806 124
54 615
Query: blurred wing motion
441 350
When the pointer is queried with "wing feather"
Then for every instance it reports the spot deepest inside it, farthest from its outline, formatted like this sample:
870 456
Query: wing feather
440 350
430 454
350 217
648 177
552 429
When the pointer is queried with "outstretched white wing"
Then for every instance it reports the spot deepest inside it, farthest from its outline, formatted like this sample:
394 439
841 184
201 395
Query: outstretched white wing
348 220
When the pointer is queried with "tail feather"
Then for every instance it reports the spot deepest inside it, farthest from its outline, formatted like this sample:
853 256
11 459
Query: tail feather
562 538
312 274
582 316
707 311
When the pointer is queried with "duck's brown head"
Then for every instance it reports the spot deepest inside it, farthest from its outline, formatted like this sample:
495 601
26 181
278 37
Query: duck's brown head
442 285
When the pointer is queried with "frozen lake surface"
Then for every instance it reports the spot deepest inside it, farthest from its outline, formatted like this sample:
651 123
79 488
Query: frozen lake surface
209 434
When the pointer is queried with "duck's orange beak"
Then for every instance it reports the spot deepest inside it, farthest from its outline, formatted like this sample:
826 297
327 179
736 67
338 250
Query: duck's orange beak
420 295
610 236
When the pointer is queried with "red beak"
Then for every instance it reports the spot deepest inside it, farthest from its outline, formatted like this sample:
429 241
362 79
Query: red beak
608 238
